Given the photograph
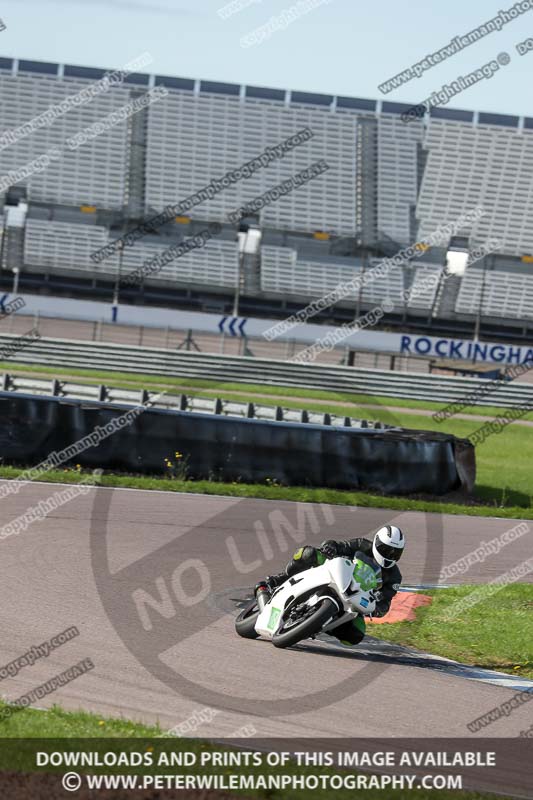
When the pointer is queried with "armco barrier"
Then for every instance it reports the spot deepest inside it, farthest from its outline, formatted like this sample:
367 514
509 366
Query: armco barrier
237 449
180 402
242 369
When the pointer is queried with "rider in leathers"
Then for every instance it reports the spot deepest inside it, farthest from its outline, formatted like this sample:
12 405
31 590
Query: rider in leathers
386 549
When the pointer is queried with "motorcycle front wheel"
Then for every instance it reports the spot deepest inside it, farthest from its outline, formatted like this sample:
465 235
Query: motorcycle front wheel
304 622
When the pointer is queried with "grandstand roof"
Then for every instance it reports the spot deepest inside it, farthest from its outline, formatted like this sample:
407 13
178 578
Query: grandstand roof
285 96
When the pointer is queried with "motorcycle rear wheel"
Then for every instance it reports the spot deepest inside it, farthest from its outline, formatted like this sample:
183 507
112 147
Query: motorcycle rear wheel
245 622
312 624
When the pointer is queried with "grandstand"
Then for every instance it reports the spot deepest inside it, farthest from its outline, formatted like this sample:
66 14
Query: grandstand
506 293
389 185
94 174
59 246
488 164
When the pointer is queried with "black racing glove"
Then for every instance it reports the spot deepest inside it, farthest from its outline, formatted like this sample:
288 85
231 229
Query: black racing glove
329 548
382 605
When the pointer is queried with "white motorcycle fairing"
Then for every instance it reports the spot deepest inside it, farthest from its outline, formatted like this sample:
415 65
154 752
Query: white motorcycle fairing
335 579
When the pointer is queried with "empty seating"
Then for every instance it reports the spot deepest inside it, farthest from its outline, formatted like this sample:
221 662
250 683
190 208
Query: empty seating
216 264
506 294
96 172
486 165
52 244
424 287
283 273
388 183
65 245
193 139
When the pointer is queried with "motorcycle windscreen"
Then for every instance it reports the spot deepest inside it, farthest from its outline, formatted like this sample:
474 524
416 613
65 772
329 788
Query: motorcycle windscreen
366 573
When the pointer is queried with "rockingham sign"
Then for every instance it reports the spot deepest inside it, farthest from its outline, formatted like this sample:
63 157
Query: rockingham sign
464 349
367 339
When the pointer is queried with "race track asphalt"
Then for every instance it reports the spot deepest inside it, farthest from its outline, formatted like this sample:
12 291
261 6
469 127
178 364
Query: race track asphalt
94 561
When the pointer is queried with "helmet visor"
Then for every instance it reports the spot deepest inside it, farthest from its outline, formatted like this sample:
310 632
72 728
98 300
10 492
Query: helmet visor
389 552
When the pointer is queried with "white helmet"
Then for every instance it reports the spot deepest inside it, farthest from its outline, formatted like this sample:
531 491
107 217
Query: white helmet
388 545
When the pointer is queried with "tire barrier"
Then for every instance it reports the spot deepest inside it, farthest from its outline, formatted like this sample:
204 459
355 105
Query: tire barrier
224 448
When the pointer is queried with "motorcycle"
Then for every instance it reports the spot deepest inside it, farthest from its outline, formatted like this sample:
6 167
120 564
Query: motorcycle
314 601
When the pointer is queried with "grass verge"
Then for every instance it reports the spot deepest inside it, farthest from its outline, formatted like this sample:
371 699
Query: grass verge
273 492
109 735
492 634
240 391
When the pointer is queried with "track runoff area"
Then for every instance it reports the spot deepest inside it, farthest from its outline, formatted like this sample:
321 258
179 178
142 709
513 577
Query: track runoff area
153 580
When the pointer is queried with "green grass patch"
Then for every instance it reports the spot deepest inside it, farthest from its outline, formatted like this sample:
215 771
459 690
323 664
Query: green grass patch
241 391
495 633
57 723
274 492
83 732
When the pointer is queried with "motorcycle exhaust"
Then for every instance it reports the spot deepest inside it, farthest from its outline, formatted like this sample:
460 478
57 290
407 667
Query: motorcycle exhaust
262 596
